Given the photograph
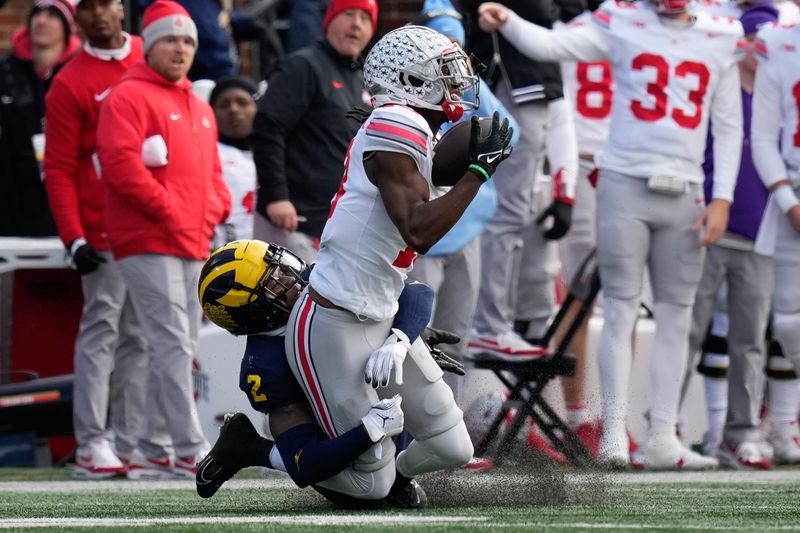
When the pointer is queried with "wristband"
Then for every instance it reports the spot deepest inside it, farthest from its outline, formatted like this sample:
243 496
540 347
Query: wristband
480 171
785 198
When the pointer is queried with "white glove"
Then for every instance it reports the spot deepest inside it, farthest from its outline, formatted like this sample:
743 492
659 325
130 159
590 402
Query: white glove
384 359
384 419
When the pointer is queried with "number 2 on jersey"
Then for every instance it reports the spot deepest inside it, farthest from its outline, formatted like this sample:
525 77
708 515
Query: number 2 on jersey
255 380
658 90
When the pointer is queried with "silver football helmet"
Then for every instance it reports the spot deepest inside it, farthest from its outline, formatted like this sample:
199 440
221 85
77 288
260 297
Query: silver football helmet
420 67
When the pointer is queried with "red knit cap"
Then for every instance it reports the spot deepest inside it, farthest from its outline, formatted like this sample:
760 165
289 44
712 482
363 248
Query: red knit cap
337 6
163 18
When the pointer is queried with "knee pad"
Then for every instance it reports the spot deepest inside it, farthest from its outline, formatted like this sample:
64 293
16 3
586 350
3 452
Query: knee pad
714 365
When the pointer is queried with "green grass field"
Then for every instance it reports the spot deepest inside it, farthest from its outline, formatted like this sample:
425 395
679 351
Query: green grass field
531 501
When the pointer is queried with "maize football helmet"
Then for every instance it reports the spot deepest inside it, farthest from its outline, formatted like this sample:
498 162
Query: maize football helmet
420 67
244 286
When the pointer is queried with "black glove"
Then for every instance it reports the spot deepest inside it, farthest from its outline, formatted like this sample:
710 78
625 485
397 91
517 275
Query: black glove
561 212
86 260
431 337
486 152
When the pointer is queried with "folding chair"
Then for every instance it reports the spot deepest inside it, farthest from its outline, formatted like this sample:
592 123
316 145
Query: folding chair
526 380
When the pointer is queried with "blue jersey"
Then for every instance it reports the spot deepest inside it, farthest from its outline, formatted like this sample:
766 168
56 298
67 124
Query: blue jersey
265 376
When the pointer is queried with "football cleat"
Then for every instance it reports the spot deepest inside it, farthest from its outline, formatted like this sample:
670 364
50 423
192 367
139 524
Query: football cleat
614 450
149 468
225 458
743 456
786 442
589 433
478 464
508 346
96 460
663 451
186 467
406 494
384 419
537 444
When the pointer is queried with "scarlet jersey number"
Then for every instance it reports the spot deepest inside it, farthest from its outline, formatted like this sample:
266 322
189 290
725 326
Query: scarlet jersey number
594 78
658 90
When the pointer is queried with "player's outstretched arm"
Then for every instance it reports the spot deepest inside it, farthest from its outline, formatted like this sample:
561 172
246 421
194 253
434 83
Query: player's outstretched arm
584 43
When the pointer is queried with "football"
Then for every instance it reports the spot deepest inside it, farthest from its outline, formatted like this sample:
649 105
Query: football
451 153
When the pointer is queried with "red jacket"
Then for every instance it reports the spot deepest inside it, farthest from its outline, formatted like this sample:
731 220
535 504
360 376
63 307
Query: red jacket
75 193
171 209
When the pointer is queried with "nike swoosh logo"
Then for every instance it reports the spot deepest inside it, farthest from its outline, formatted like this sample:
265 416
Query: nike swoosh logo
492 159
201 473
174 116
85 458
99 97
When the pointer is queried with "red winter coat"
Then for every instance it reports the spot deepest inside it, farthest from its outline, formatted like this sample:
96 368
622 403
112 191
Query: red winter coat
76 194
171 209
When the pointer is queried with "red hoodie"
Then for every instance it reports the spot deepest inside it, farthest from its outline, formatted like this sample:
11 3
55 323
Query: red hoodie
171 209
22 48
76 194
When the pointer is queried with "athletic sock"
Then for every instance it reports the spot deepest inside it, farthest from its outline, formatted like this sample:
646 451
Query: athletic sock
577 414
783 400
668 361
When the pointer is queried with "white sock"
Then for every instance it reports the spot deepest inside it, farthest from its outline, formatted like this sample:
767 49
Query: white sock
577 414
784 396
668 361
276 459
719 324
614 357
716 390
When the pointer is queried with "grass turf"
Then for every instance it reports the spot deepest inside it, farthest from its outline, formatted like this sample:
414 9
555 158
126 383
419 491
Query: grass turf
543 501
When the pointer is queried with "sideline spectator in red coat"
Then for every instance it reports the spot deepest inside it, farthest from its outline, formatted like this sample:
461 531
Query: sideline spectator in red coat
109 337
157 144
39 50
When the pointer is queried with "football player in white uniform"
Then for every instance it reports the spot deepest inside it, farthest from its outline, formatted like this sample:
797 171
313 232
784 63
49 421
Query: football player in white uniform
776 153
386 211
673 68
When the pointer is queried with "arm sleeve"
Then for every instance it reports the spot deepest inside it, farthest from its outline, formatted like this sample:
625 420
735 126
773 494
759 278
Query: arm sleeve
727 129
766 125
120 134
310 457
395 129
581 43
289 94
562 148
63 119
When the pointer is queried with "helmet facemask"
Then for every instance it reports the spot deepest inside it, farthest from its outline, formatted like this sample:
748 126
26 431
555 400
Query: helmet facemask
249 287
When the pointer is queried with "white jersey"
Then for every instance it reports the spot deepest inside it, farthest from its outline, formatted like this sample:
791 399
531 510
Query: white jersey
775 104
588 86
239 172
668 79
788 12
363 260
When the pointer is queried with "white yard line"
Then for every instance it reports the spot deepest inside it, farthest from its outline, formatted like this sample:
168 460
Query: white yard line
316 520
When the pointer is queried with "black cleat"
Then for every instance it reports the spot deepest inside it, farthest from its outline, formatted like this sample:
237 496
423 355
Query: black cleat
406 494
226 457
